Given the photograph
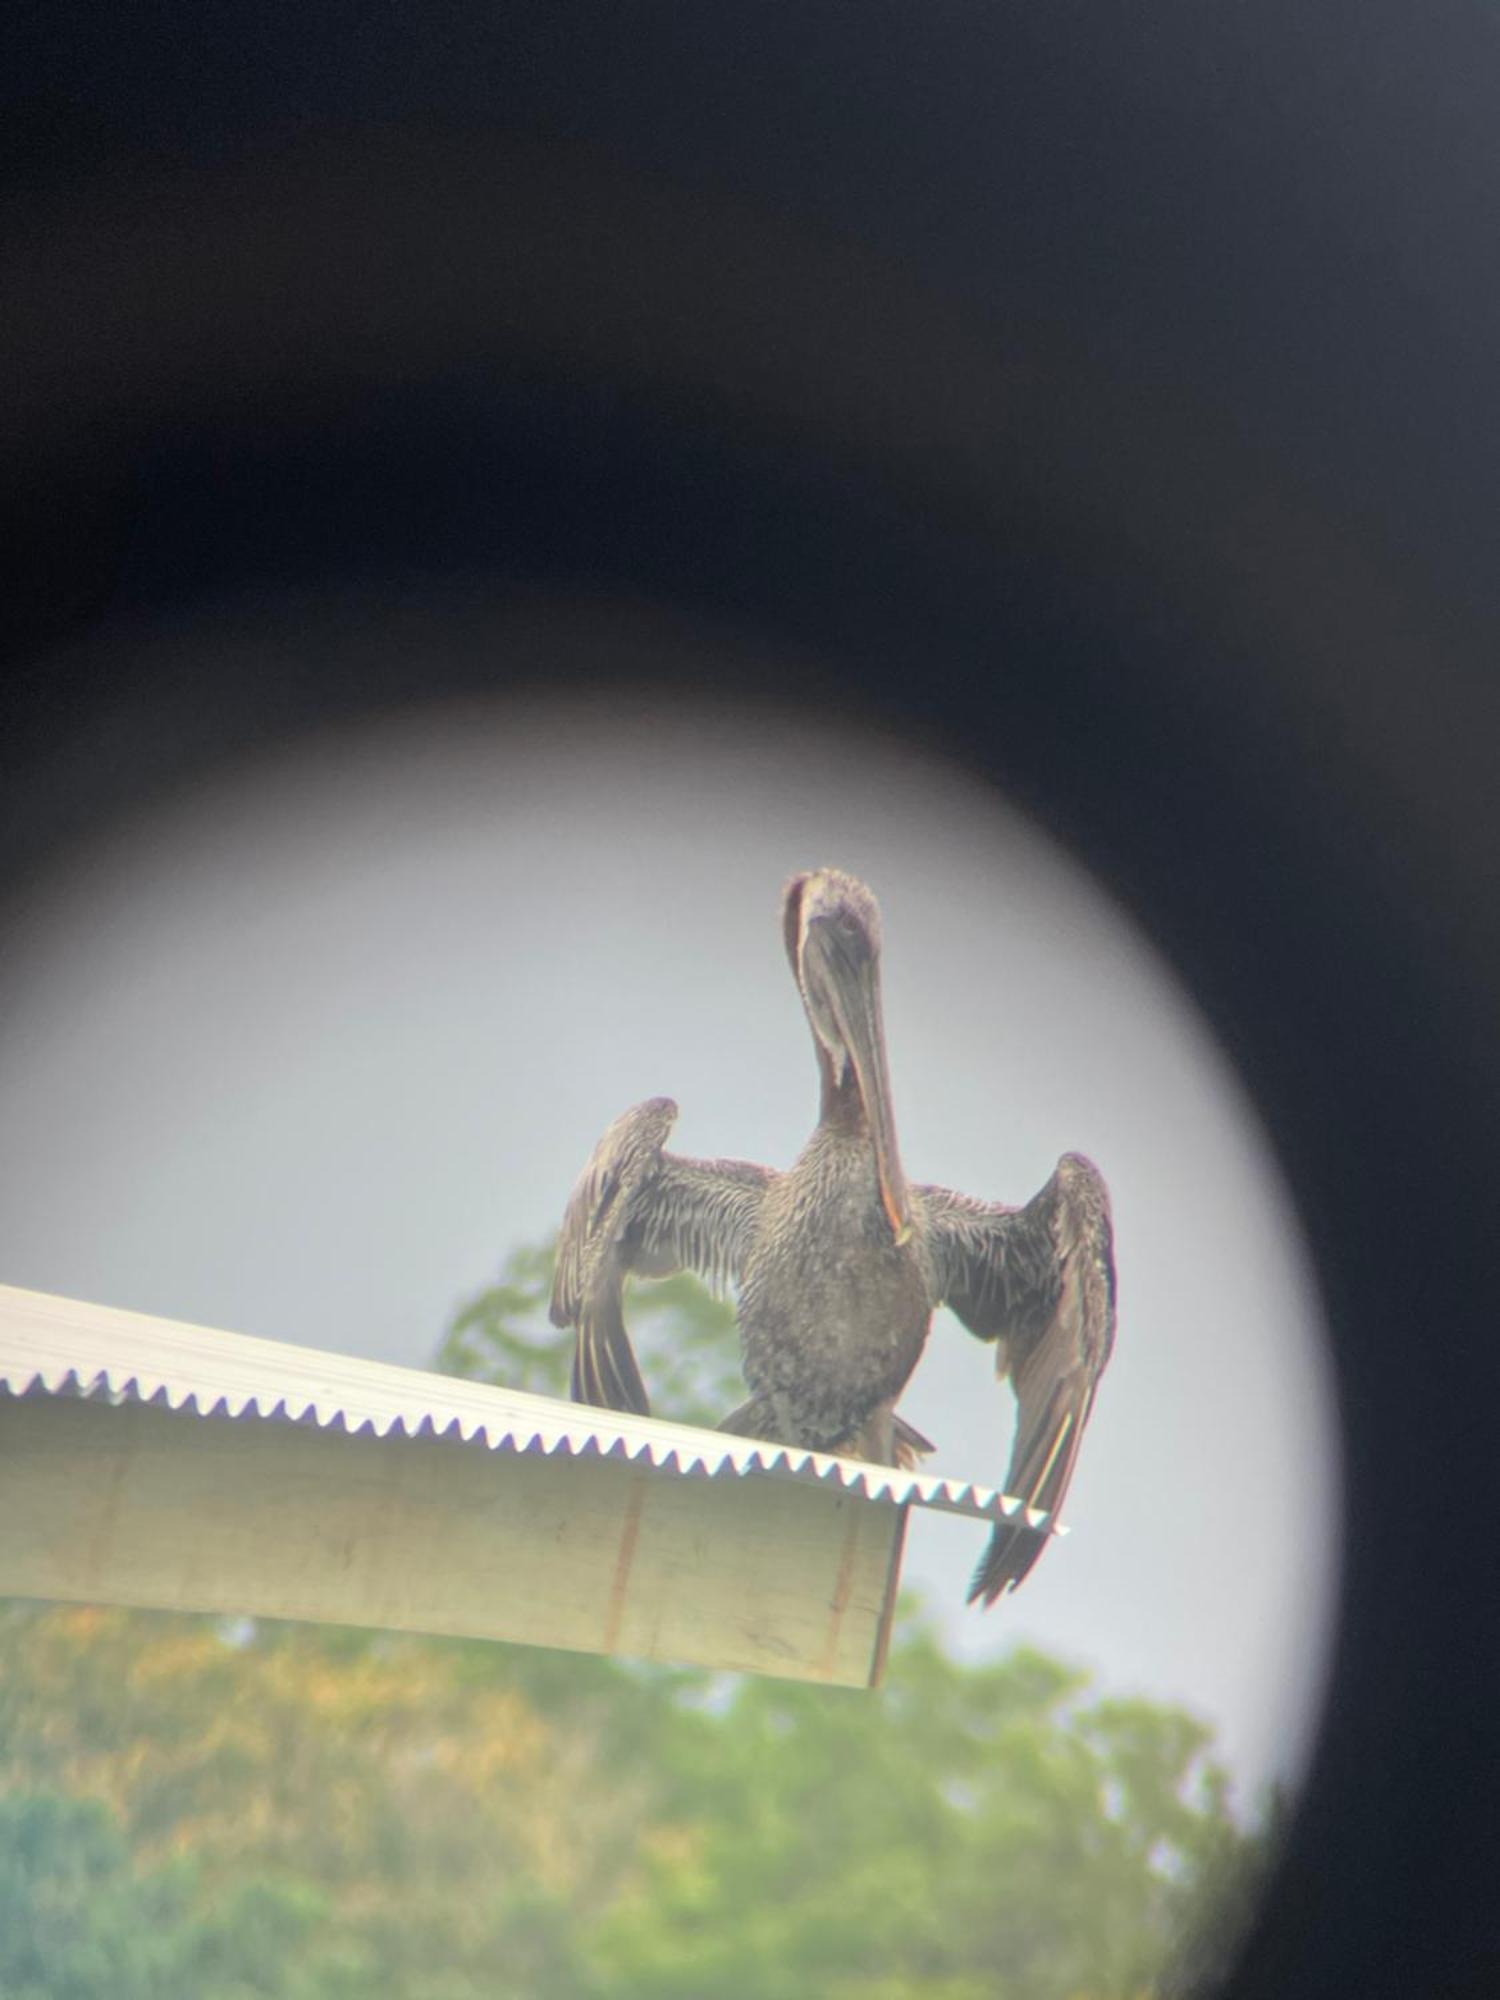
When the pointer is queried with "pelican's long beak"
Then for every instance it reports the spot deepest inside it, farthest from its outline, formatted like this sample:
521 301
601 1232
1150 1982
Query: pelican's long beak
852 983
875 1088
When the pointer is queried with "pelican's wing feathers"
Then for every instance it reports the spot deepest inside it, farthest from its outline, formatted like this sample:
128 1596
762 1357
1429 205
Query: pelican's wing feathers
638 1208
1040 1282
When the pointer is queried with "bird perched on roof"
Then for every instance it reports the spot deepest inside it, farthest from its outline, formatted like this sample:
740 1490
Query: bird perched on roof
840 1261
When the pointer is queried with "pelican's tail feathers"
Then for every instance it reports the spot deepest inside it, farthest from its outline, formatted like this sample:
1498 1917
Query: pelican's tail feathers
605 1372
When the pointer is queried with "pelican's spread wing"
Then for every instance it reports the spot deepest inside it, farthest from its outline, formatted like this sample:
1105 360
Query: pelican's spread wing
1040 1282
638 1208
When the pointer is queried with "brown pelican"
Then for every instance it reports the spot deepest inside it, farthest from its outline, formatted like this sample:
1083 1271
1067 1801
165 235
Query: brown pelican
839 1262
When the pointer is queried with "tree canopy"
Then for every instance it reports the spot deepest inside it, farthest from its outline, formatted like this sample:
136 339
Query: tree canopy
195 1807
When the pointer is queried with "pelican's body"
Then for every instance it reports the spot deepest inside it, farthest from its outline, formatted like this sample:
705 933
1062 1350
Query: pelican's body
833 1312
839 1262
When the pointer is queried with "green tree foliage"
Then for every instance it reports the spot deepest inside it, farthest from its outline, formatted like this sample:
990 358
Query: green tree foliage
979 1830
80 1920
303 1813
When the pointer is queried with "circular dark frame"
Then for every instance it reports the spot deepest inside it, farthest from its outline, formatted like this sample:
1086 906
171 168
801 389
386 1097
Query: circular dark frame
1240 664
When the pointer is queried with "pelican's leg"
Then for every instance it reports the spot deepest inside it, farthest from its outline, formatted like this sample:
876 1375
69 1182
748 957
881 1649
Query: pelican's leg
754 1419
875 1441
886 1439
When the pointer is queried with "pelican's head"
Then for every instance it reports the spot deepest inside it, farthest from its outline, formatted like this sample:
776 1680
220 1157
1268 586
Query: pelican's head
831 924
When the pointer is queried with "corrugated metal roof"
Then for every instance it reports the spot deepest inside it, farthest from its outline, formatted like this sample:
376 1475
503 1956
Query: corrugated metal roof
52 1346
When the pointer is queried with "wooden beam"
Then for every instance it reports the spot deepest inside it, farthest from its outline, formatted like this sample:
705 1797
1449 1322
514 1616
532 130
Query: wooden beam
147 1462
131 1504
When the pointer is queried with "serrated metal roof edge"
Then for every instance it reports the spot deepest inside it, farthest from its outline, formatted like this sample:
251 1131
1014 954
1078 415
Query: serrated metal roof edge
51 1346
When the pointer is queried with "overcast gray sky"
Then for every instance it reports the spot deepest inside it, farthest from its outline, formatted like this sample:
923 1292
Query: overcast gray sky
302 1054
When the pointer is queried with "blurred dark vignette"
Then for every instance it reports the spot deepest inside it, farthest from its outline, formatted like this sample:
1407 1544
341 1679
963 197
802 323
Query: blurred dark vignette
1106 393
